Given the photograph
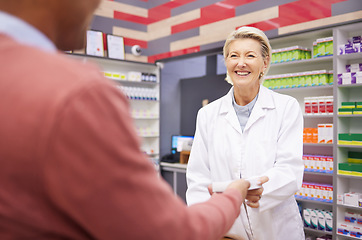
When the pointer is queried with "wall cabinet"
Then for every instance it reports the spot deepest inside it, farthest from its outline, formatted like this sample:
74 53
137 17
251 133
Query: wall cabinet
140 83
341 183
346 181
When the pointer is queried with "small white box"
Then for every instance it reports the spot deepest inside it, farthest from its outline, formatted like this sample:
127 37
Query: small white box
351 199
340 198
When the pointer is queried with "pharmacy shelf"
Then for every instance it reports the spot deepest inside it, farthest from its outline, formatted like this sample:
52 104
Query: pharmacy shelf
303 61
314 201
134 83
350 207
150 121
311 230
349 146
319 173
303 89
310 121
351 56
328 145
318 116
349 85
346 237
350 115
349 176
344 183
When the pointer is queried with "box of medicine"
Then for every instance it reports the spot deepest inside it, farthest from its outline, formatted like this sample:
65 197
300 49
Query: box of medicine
322 133
359 219
351 199
313 191
329 190
314 219
343 228
359 77
356 139
134 76
356 231
329 164
340 199
306 217
350 217
329 133
321 220
329 221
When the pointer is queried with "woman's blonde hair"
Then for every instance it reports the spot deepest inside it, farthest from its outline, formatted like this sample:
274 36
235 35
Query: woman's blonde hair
251 33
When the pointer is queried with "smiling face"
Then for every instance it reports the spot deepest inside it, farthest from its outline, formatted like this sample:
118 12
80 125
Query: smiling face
245 63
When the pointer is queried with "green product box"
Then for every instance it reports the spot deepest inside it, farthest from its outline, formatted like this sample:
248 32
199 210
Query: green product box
356 138
330 77
315 78
329 46
301 80
284 55
308 79
307 54
274 56
352 167
344 138
283 82
271 83
354 157
315 50
276 84
321 48
278 56
295 81
357 111
348 104
323 79
358 104
345 111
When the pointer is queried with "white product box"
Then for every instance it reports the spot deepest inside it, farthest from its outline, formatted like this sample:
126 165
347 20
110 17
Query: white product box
350 217
314 219
321 220
359 77
329 221
351 199
343 228
134 76
306 217
340 198
322 133
356 231
346 78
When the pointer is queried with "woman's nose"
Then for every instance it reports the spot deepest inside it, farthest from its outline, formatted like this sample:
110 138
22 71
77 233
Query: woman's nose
241 62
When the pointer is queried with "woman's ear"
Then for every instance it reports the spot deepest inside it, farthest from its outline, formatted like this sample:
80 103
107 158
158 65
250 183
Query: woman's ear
266 63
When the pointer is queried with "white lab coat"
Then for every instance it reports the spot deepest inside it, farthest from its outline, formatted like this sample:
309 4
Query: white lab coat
270 145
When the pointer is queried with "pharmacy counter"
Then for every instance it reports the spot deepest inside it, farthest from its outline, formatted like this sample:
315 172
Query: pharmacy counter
175 175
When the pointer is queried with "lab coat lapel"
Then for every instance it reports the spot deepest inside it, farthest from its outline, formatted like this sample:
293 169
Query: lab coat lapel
262 104
228 110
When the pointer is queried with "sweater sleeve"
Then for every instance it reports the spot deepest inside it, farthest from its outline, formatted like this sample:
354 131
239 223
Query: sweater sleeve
98 178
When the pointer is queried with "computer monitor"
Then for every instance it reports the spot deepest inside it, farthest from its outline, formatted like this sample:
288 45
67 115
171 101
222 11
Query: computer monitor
177 142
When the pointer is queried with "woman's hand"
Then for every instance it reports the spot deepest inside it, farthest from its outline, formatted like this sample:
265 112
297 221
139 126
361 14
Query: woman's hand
253 196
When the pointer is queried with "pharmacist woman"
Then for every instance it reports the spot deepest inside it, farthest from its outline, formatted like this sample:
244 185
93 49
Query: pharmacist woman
250 132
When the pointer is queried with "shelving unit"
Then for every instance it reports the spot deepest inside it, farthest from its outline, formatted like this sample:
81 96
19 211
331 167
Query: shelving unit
144 110
345 123
310 121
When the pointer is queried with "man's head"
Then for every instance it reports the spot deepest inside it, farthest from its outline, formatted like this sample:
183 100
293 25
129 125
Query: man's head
63 21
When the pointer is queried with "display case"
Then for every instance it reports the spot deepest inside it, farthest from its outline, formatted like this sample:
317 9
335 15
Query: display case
140 82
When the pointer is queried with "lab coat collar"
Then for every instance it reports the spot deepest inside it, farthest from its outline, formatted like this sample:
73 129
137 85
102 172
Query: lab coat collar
264 102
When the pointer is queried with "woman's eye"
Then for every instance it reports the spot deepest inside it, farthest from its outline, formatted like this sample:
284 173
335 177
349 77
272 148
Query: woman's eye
233 55
251 56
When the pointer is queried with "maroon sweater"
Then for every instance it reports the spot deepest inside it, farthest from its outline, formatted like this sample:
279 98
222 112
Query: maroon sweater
70 164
